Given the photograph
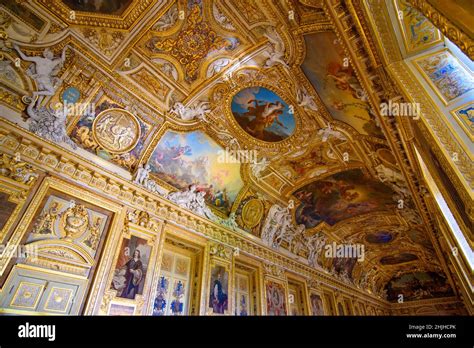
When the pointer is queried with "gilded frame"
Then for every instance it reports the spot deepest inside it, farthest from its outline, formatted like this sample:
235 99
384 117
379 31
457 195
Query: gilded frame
178 240
454 112
152 238
283 283
328 295
242 134
49 297
73 192
133 119
427 79
248 265
227 262
302 286
41 288
17 193
319 293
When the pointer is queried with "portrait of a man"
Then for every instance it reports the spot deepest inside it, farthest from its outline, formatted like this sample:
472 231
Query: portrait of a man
317 304
130 271
218 299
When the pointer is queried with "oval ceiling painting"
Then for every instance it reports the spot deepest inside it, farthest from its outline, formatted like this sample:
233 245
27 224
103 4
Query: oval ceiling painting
381 237
398 258
263 114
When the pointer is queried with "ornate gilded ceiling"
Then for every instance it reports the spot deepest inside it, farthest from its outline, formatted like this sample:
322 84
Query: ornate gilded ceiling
175 84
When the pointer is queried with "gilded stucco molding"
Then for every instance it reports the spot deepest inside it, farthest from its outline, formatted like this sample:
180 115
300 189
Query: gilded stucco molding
52 158
388 42
431 116
452 32
439 137
380 21
356 10
127 20
419 303
376 81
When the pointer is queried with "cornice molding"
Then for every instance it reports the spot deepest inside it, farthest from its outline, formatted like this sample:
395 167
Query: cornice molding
452 32
60 162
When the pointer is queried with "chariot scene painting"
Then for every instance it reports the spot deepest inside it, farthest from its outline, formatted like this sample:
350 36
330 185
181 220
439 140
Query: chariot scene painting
339 197
184 159
263 114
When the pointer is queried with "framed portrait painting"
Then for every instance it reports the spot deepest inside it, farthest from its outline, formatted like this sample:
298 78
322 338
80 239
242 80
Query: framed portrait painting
316 304
276 298
219 290
131 267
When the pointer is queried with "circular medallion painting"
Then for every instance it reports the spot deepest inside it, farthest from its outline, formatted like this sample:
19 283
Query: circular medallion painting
116 130
252 212
263 114
71 95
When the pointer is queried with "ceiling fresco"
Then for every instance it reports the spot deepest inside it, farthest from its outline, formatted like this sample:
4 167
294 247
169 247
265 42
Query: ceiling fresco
418 31
336 83
112 7
263 114
339 197
183 159
418 285
252 109
398 258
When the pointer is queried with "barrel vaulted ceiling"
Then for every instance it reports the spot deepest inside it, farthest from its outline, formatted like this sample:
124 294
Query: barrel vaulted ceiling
328 151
